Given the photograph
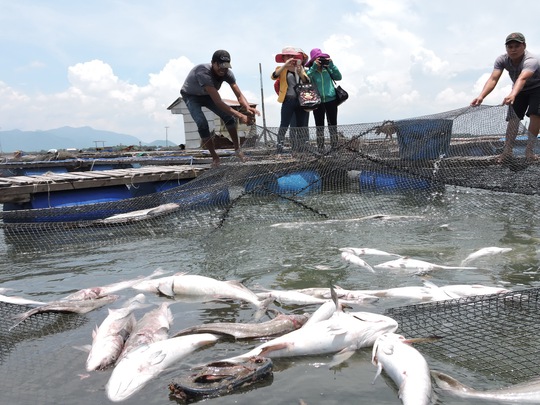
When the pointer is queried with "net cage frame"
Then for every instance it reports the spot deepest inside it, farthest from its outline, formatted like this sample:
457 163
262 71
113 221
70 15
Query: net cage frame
428 155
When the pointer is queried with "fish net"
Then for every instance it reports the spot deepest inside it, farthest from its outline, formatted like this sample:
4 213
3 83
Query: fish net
426 162
488 339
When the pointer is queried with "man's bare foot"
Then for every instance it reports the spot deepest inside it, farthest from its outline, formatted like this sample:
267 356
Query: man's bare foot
215 163
531 158
503 158
240 155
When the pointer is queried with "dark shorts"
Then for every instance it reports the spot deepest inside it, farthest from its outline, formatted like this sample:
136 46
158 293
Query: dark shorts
526 102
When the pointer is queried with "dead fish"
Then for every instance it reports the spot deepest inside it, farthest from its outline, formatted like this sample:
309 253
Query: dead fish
405 366
108 339
342 334
78 307
278 326
140 215
328 309
152 327
523 393
352 258
467 290
291 297
196 285
487 251
96 292
8 299
418 266
141 365
367 252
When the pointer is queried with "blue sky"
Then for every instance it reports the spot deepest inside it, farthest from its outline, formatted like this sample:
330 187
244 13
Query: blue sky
117 64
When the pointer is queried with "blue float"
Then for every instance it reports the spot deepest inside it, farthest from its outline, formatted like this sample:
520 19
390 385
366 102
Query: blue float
375 181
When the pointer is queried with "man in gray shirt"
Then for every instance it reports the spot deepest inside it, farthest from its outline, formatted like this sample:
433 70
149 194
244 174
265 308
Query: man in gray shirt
524 70
200 90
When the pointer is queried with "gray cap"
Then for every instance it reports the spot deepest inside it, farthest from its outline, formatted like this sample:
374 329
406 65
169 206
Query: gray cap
515 36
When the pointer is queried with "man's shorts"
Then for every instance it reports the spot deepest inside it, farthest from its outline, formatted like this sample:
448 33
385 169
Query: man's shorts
526 102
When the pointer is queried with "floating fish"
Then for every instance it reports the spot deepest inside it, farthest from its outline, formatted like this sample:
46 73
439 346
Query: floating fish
342 334
352 258
96 292
367 252
144 363
195 285
108 339
418 266
405 366
152 327
487 251
140 215
466 290
78 307
291 297
280 325
523 393
9 299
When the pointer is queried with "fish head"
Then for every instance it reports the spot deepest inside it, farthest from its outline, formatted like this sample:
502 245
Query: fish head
385 344
133 372
104 353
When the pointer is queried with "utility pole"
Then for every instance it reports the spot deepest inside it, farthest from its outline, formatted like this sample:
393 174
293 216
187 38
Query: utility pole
166 137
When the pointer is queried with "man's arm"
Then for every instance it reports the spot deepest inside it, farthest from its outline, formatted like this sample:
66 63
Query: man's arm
518 86
216 98
242 100
488 87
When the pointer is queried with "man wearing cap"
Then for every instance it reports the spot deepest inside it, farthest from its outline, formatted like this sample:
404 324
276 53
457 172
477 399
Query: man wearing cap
200 90
524 70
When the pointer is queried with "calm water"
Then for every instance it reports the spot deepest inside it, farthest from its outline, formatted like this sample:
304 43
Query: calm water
279 255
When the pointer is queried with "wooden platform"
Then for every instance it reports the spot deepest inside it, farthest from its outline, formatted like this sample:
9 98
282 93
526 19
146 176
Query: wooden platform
18 189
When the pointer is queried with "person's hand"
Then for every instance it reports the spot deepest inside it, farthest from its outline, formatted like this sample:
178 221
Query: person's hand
254 111
477 101
509 100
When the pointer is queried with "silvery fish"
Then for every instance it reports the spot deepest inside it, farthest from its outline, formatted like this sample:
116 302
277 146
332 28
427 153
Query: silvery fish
291 297
78 307
523 393
108 339
418 266
140 215
405 366
139 366
278 326
466 290
152 327
95 292
342 334
367 252
352 258
487 251
195 285
19 300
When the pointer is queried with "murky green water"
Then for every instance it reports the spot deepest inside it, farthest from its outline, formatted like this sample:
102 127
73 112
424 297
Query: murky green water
284 255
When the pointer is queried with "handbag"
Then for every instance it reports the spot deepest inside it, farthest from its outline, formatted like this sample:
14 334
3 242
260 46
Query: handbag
308 96
341 95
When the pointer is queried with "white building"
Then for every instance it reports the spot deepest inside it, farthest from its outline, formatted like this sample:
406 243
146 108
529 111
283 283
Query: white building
222 140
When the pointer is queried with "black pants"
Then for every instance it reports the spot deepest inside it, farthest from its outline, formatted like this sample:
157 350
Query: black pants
330 110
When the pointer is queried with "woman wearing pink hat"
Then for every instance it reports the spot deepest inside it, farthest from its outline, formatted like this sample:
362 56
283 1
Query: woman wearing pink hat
290 74
323 72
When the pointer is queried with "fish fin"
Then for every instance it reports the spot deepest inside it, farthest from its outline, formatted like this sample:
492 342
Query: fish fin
378 373
166 289
446 382
341 356
83 348
271 348
263 307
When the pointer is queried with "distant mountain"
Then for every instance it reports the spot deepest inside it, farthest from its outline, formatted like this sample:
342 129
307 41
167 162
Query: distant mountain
64 138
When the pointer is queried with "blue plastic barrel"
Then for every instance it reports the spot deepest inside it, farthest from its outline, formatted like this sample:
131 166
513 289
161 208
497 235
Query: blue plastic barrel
375 181
423 139
299 183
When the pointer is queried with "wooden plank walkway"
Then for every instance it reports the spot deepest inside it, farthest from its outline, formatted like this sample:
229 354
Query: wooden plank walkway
18 189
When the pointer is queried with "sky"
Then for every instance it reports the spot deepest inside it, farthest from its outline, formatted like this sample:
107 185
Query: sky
117 65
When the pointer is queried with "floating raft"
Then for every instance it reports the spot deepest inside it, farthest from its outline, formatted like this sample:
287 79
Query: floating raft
18 189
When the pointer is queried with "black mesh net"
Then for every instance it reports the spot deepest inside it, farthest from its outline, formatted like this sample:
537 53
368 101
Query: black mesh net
427 159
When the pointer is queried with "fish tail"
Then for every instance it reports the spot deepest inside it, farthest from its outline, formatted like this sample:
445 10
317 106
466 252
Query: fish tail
21 318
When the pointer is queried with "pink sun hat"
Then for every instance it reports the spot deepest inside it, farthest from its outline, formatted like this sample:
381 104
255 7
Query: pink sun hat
288 50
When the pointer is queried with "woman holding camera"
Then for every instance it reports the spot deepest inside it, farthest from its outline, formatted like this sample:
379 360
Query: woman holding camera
290 74
323 73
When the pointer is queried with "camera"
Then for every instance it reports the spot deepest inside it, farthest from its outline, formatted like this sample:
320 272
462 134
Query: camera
324 61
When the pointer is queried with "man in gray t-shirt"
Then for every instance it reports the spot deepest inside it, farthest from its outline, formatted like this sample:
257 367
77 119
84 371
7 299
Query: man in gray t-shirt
200 90
524 70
